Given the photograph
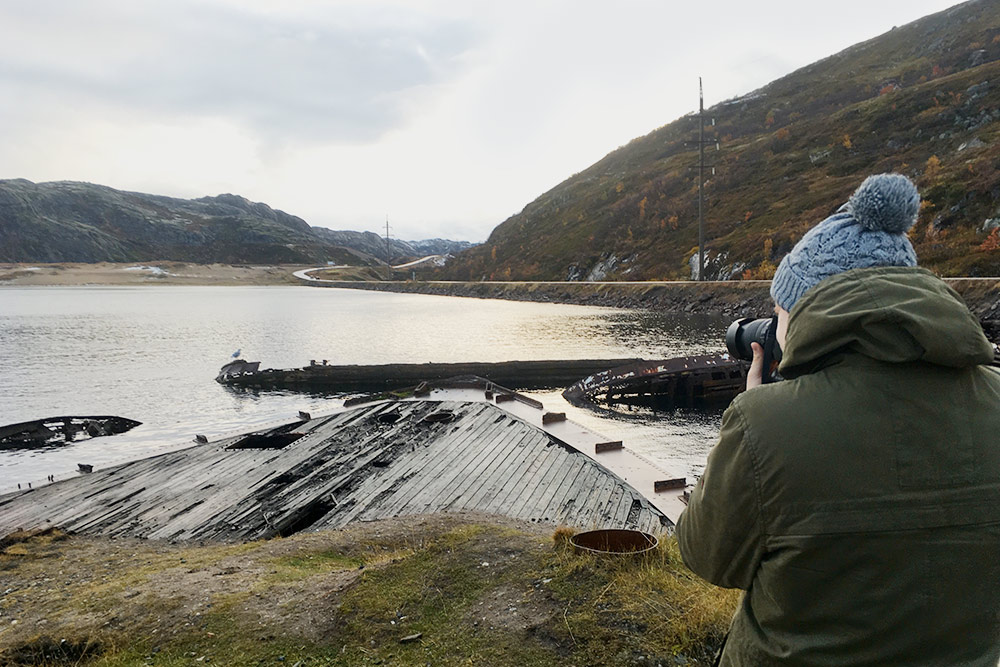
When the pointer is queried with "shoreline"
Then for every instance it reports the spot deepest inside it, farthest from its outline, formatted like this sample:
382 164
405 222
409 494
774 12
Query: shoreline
727 298
748 298
77 274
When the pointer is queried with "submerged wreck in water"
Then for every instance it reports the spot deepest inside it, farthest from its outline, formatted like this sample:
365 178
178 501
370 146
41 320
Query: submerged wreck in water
493 455
54 431
546 374
684 382
695 381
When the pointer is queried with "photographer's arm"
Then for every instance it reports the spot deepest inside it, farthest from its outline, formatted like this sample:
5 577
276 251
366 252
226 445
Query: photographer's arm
720 532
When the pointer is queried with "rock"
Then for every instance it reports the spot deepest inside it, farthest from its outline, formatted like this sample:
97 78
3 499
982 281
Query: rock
601 270
974 143
977 90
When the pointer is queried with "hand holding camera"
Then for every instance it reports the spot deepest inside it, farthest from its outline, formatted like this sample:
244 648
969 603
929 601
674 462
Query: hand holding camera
756 341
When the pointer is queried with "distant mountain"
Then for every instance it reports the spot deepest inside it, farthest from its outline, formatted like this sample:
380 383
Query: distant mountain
69 221
375 245
438 246
922 99
367 242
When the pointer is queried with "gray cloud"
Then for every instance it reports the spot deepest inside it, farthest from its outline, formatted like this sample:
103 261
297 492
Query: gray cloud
315 78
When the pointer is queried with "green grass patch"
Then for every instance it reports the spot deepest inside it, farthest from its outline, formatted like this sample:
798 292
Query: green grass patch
302 566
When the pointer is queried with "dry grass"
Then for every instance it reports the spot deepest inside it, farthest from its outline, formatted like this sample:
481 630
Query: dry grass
478 590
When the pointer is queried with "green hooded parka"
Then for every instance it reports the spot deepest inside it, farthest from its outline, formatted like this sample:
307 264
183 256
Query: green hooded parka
858 502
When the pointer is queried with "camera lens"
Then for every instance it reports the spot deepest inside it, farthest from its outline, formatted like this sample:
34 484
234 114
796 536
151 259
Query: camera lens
745 331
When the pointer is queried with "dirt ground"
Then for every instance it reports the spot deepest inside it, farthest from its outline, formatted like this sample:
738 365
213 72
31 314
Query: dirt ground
37 576
149 273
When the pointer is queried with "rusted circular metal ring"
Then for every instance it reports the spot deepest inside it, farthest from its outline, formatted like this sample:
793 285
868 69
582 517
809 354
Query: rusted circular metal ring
614 542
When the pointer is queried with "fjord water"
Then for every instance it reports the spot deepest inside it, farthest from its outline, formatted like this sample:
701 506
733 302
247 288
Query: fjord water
151 353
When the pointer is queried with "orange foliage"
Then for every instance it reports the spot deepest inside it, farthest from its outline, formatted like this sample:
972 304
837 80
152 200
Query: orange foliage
933 166
765 270
992 241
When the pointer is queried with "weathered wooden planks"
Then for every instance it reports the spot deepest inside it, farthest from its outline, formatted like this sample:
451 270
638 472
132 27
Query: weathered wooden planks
354 466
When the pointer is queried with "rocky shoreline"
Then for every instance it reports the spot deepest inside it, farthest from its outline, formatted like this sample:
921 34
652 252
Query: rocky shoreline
728 298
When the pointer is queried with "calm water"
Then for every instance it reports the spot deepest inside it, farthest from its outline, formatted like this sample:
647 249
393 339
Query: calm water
151 354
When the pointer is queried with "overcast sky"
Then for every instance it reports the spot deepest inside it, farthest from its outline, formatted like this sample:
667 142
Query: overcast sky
447 116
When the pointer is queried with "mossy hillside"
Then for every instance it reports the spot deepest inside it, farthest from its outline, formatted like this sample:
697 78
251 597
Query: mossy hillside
460 591
792 152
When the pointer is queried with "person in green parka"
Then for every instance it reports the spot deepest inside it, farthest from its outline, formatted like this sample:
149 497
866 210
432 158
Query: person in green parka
857 502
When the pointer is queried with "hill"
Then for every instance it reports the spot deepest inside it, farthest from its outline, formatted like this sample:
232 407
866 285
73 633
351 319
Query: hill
68 221
922 99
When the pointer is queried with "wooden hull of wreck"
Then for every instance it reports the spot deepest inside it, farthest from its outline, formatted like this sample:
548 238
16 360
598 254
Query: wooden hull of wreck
372 462
382 377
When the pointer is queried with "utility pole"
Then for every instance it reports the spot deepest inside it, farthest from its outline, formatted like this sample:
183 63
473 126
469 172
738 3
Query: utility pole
388 260
701 178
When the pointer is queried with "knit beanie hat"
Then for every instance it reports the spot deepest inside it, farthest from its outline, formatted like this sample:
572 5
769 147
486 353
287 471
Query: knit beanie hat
869 230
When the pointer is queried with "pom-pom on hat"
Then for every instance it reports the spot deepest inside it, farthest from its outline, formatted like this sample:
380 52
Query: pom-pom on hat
869 230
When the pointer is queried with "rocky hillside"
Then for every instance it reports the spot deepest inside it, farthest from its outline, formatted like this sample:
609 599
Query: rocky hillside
922 99
80 222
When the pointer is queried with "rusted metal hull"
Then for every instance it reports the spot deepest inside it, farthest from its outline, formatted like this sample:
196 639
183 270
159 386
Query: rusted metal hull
515 374
682 382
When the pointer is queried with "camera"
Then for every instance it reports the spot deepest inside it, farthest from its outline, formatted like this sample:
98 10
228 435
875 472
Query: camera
743 332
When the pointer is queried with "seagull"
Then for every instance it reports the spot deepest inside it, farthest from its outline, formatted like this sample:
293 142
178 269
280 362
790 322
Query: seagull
236 354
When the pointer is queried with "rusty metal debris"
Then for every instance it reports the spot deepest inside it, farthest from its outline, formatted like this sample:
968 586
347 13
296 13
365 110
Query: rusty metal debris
614 542
681 382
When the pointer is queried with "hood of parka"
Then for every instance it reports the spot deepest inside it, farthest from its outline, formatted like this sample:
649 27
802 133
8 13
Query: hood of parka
891 314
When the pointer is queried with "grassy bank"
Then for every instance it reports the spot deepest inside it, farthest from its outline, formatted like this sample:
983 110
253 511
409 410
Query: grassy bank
428 590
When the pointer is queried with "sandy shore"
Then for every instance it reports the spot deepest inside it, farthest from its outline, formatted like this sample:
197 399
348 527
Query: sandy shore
149 273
